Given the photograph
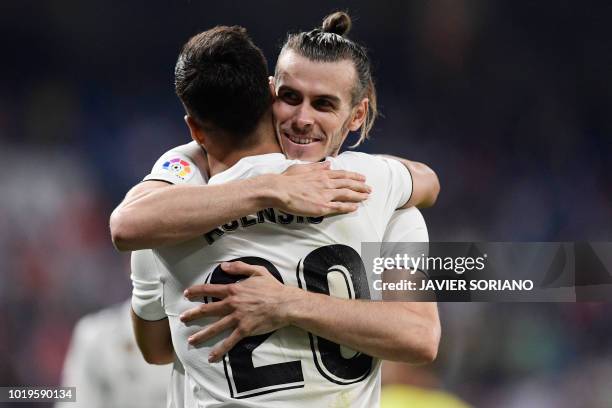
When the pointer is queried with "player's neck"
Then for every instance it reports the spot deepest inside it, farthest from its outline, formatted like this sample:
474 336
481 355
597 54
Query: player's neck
265 142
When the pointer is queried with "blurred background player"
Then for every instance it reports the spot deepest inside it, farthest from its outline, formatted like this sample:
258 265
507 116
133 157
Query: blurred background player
106 367
407 386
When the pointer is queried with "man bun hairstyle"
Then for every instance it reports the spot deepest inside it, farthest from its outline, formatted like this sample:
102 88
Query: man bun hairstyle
337 23
221 78
328 43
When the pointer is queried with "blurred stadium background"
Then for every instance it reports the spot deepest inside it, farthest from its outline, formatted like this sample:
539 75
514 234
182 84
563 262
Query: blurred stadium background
510 102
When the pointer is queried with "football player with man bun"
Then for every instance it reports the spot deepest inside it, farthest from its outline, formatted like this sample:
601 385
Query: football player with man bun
285 319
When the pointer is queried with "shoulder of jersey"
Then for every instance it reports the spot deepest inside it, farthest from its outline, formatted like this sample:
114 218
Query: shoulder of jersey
349 153
185 161
355 158
191 150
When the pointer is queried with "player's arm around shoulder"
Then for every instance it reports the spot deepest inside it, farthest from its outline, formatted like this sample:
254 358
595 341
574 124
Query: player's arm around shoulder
425 183
125 230
139 220
174 204
390 180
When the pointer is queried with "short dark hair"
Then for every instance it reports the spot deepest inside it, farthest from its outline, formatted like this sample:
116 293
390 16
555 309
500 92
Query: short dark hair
221 78
328 43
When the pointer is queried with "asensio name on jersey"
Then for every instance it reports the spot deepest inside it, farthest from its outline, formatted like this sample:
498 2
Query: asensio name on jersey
288 367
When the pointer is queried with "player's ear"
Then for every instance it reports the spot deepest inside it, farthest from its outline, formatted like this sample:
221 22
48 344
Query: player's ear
272 86
194 129
359 114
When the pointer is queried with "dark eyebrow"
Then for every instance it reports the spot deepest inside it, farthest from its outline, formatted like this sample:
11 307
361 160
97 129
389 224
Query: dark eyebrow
286 88
333 99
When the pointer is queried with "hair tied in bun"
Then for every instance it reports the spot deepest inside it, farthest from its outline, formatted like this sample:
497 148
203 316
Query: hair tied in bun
337 23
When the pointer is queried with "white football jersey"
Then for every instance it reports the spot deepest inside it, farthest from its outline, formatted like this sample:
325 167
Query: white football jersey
407 225
106 367
406 234
288 367
184 164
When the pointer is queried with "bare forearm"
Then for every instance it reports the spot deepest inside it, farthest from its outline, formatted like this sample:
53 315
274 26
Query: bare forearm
155 213
153 340
173 214
386 330
426 186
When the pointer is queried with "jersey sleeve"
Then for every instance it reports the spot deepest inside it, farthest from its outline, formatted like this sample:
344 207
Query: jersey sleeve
407 225
406 234
390 180
399 186
147 289
176 167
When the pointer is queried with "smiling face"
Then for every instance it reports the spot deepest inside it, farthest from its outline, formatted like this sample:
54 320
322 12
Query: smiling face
312 109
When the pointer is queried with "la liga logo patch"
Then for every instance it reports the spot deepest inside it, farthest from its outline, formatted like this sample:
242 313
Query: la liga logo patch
179 167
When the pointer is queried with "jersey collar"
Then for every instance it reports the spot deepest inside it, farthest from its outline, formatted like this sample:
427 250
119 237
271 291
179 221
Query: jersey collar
244 164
